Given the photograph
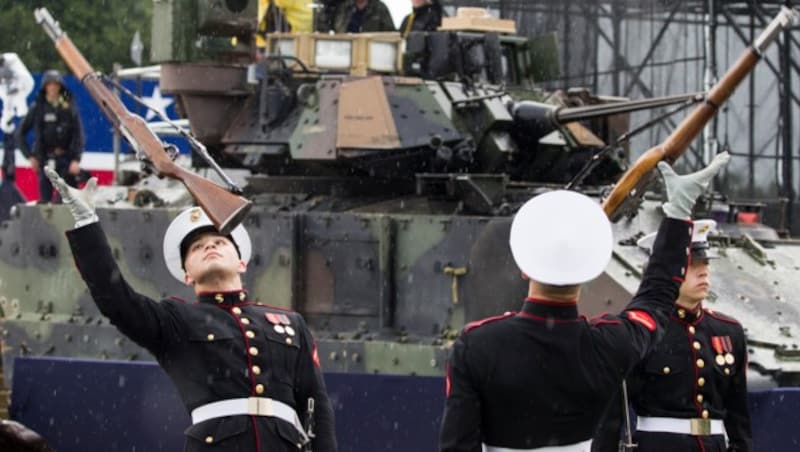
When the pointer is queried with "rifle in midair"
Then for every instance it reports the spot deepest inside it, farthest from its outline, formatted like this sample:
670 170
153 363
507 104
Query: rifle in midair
224 207
631 186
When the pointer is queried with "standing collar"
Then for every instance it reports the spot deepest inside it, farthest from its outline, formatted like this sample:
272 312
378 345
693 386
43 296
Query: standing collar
223 298
688 315
561 310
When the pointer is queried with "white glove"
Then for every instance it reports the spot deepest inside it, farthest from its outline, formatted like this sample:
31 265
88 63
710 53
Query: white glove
80 202
682 191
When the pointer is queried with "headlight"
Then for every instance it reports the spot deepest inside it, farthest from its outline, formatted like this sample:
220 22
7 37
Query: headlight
331 54
382 56
285 47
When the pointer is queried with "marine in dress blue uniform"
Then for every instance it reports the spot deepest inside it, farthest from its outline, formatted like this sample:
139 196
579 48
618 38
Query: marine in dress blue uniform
539 379
248 373
690 392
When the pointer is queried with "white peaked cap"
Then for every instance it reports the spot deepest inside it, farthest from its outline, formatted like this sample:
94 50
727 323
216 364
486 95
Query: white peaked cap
561 238
699 247
184 224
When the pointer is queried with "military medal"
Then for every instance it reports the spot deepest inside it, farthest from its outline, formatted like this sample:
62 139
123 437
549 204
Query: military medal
729 358
284 319
279 329
289 330
272 318
716 343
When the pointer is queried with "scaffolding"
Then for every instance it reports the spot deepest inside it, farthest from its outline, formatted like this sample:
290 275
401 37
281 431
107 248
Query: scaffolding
642 49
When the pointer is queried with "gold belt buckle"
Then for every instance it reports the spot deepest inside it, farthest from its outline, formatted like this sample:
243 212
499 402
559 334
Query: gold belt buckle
700 427
259 406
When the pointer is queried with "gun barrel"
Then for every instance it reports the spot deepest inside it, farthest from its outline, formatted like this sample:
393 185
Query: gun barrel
51 27
568 114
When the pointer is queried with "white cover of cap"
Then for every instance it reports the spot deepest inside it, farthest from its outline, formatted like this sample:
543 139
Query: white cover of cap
186 222
700 231
561 238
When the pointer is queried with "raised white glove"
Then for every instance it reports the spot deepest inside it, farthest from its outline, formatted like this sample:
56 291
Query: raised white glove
682 191
80 202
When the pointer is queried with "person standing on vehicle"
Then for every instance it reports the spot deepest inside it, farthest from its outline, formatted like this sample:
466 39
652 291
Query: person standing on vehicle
57 135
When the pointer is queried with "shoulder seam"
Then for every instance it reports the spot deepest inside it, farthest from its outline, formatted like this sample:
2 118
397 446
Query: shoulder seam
479 323
722 317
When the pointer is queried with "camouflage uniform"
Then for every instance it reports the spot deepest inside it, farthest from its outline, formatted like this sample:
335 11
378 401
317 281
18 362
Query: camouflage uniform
374 17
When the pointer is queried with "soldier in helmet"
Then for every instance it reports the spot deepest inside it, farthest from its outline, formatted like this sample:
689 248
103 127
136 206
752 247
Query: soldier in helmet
362 16
247 372
426 15
57 135
539 379
690 392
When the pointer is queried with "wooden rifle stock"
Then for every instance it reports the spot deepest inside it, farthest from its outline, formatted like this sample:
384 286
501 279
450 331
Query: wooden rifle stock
225 209
631 185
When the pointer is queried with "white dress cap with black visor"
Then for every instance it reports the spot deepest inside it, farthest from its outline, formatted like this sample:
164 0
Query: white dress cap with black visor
561 238
187 225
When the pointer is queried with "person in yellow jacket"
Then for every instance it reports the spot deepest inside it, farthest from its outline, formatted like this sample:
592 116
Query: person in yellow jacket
283 15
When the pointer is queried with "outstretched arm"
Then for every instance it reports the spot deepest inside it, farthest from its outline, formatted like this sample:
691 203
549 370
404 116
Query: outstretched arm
136 316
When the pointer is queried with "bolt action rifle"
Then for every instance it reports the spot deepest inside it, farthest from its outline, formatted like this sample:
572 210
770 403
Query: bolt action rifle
224 208
628 191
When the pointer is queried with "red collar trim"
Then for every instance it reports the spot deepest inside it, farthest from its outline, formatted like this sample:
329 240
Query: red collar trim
551 302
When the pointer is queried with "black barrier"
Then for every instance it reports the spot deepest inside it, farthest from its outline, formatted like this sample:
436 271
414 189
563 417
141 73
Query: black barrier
81 406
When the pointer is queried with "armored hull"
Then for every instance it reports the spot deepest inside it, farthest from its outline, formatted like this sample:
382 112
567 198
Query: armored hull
385 287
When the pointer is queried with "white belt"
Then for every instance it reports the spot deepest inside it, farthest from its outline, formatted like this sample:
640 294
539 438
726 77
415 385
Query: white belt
583 446
252 406
696 427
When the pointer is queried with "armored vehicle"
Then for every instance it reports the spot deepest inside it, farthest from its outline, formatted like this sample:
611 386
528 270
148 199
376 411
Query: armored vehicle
385 172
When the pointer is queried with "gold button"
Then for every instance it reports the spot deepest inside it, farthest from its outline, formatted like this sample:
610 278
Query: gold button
691 329
209 439
696 345
220 298
256 370
701 382
253 351
210 337
666 370
242 296
705 414
246 321
699 398
727 371
701 363
250 334
259 388
681 313
289 340
236 311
